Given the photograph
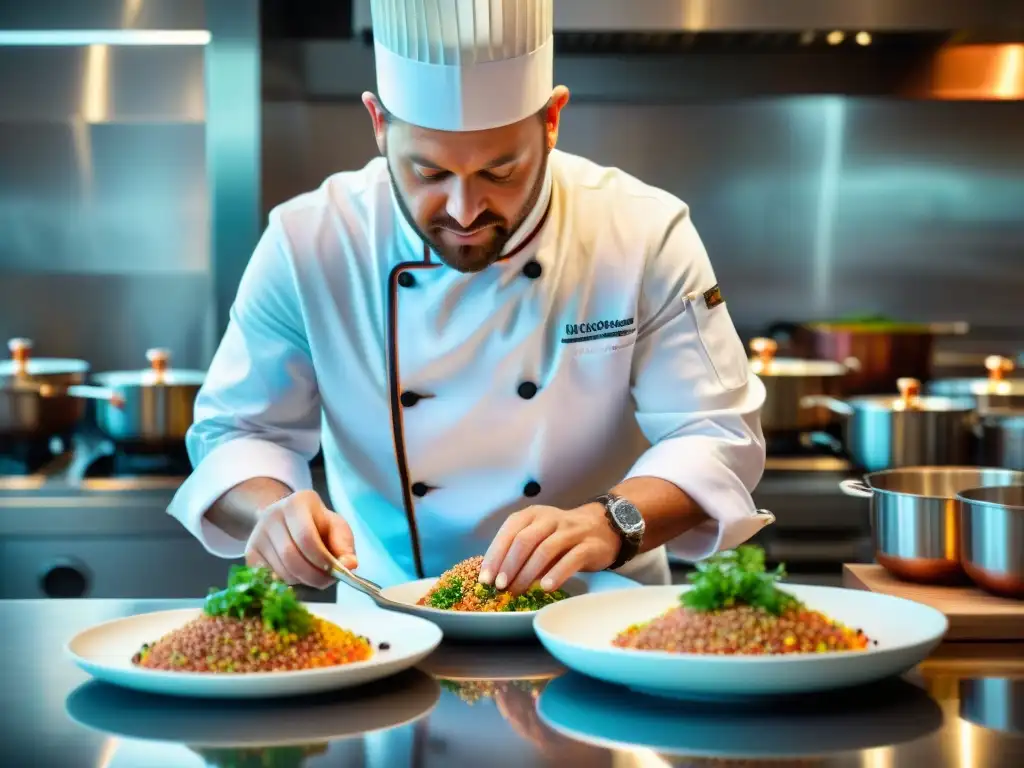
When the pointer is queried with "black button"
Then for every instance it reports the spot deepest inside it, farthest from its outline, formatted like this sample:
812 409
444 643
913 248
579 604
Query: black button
406 280
531 489
420 490
409 399
532 270
527 390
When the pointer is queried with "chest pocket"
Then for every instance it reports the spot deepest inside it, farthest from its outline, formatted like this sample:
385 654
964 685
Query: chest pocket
719 341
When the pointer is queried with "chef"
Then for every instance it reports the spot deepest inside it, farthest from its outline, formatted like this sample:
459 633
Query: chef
500 348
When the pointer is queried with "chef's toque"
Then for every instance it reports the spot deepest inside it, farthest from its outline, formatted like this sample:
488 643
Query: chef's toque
463 65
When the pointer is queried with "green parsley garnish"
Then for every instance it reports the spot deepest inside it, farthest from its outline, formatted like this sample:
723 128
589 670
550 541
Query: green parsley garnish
448 595
257 592
534 599
737 577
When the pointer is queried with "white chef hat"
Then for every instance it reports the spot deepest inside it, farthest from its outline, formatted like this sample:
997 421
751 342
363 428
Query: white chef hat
463 65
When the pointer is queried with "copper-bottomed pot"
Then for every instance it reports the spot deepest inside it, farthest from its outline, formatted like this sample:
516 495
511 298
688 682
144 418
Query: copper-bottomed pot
44 397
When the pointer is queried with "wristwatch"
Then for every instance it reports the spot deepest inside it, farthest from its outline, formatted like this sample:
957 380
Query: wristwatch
626 520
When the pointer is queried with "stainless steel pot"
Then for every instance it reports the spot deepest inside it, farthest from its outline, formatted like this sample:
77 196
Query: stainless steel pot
43 397
905 430
787 381
157 402
992 537
915 517
996 703
994 391
1001 438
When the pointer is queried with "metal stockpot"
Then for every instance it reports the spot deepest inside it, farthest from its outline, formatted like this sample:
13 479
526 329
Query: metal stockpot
157 402
905 430
787 381
996 391
992 538
915 516
1001 438
43 397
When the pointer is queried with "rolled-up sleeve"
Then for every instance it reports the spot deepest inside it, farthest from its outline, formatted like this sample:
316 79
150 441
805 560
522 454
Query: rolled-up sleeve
258 411
697 401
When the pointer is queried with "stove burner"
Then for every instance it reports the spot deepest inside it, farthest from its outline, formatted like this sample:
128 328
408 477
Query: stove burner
136 461
27 456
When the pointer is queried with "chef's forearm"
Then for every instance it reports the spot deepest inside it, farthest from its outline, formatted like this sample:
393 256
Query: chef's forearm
668 511
237 511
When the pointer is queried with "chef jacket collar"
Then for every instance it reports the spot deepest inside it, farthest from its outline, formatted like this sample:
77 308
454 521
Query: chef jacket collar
413 244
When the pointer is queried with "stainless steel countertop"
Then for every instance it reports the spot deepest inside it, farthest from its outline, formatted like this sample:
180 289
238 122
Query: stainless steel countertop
52 715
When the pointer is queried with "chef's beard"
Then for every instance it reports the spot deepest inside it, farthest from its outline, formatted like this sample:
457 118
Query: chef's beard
471 258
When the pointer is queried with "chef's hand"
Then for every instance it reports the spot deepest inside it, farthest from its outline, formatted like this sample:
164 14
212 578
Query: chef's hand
549 545
293 537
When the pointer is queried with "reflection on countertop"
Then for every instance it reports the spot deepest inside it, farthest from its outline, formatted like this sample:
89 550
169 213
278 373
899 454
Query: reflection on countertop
498 706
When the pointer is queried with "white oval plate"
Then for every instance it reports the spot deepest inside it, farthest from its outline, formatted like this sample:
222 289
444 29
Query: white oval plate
105 652
579 634
885 714
463 625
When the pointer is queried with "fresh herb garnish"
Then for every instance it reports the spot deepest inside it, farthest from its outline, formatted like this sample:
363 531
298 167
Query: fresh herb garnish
534 599
737 577
446 596
255 592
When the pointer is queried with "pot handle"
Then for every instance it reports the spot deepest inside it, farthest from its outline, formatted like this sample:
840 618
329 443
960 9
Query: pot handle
833 404
84 391
823 439
858 488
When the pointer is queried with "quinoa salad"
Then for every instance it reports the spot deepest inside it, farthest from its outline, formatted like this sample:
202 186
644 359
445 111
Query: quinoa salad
459 589
735 608
255 624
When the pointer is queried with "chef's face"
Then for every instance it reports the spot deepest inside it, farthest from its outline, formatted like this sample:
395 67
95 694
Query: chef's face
467 193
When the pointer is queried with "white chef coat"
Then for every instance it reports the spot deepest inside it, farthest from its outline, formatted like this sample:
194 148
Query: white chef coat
348 333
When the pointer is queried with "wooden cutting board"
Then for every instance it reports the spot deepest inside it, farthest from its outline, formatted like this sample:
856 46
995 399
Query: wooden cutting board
972 613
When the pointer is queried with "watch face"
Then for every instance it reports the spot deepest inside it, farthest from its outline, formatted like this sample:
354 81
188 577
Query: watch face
627 517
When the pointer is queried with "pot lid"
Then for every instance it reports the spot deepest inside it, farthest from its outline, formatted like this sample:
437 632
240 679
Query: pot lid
763 362
22 363
996 383
159 373
910 399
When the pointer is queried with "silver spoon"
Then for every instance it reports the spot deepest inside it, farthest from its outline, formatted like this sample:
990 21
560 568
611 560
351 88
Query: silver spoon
358 583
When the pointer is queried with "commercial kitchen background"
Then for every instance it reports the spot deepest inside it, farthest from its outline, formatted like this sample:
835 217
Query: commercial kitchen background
827 176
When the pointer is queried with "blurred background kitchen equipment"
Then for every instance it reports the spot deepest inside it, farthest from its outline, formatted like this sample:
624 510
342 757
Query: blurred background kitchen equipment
1000 434
996 703
992 537
905 430
157 403
915 517
885 349
997 390
787 382
42 398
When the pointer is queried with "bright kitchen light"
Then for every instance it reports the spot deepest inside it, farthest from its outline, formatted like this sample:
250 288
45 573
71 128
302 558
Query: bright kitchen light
835 38
45 37
863 38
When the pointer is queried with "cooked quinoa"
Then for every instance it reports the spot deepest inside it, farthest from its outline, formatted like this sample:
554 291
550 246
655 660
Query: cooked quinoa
743 629
735 607
459 589
255 625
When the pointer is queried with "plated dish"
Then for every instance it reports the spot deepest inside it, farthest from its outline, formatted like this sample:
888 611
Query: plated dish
255 624
253 639
737 631
459 589
491 625
735 606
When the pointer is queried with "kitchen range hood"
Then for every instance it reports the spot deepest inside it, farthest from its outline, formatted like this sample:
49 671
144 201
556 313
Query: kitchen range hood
946 49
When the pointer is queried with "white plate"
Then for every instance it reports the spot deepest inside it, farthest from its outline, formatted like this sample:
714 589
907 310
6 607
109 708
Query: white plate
399 700
105 652
463 625
886 714
579 633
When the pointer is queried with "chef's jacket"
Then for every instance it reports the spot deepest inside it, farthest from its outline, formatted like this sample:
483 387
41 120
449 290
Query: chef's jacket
598 348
